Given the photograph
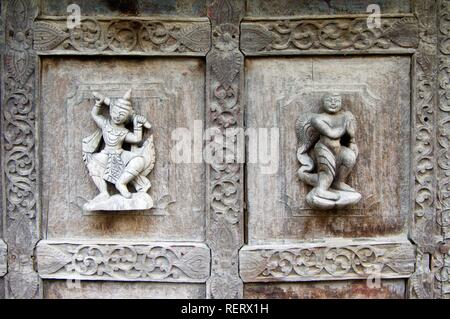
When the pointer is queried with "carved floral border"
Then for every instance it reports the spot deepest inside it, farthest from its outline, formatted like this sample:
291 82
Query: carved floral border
346 34
224 88
21 227
123 261
122 36
327 261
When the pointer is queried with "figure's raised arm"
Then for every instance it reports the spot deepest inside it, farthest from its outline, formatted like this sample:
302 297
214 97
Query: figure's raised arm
136 136
100 101
324 128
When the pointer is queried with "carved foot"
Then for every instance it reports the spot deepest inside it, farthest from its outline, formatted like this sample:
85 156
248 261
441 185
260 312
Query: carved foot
345 199
122 188
343 187
330 195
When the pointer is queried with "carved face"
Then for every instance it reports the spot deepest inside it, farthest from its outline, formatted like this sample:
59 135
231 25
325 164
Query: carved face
332 103
119 115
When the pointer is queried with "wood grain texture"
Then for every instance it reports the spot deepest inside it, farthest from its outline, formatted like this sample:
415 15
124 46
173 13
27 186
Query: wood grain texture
72 289
170 94
123 261
355 289
298 36
264 8
141 8
125 36
21 210
278 91
225 180
331 260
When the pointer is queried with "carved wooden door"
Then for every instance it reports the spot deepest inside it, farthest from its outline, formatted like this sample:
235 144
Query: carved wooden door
230 77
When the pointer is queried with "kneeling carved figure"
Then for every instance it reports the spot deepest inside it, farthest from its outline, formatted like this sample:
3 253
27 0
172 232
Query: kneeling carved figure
327 153
113 163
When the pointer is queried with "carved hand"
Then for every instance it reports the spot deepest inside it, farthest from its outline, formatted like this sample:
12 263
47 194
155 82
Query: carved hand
140 120
99 99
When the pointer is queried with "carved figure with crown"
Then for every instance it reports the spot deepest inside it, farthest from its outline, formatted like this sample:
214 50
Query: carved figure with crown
115 165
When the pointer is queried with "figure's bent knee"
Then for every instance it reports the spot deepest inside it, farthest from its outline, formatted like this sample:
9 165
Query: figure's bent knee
95 168
348 157
137 164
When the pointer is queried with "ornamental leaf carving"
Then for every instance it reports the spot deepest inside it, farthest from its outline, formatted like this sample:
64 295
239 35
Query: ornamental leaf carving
131 36
47 36
306 263
328 34
51 259
123 262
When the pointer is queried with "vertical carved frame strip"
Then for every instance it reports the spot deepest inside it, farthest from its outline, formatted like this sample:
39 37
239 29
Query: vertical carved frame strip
224 87
21 216
443 145
425 229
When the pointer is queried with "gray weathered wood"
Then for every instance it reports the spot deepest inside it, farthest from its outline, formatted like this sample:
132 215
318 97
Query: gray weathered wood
297 36
123 260
425 226
331 260
123 36
225 215
21 228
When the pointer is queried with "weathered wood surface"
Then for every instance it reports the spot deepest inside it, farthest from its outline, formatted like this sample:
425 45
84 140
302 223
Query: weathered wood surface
265 8
170 94
331 260
72 289
352 289
141 8
123 261
278 92
296 36
216 214
20 186
122 36
225 179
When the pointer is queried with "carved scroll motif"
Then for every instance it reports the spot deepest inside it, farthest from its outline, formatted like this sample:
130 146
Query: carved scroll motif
159 262
132 36
225 193
21 220
442 257
326 262
278 37
425 228
3 258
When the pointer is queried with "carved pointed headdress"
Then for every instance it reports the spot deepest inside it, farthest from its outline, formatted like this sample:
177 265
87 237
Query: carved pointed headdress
125 101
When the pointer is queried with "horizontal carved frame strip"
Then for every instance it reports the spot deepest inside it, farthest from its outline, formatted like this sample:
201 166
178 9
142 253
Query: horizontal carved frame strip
3 258
351 34
123 261
118 36
333 260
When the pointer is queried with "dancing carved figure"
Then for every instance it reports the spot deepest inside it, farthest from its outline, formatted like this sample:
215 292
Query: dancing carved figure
114 164
327 153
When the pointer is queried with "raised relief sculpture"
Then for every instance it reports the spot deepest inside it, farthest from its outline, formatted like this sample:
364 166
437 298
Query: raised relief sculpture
114 164
327 153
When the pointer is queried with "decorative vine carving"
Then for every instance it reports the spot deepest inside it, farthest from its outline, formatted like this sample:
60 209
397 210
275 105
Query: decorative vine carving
328 34
18 147
124 261
225 220
280 263
123 37
442 259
